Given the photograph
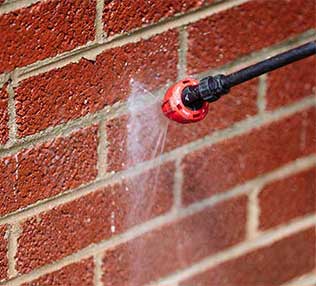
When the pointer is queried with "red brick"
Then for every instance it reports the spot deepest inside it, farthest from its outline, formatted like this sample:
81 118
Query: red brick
176 245
44 30
287 199
127 15
48 169
291 83
4 116
234 107
80 273
117 137
85 87
234 161
3 253
243 29
272 265
74 225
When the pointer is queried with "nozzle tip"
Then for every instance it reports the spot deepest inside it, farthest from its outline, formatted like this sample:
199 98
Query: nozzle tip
174 108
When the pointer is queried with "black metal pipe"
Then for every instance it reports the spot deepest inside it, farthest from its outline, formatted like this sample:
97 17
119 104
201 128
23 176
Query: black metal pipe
213 87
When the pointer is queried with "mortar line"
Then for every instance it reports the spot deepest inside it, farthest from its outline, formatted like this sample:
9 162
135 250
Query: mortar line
238 250
177 188
15 5
262 92
233 252
4 77
98 269
99 21
253 214
119 40
182 52
304 280
14 233
12 116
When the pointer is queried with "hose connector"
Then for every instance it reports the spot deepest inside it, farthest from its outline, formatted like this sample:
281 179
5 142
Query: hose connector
209 89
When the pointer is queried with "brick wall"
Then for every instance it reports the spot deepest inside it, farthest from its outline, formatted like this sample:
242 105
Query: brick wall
235 196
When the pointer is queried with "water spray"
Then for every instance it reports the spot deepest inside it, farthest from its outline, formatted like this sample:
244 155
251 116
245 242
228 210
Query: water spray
188 100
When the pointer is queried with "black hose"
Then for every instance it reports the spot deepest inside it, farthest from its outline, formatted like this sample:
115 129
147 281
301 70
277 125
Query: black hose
212 88
270 64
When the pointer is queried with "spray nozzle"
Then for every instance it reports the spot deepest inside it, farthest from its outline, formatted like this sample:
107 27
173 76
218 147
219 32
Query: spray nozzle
174 106
187 100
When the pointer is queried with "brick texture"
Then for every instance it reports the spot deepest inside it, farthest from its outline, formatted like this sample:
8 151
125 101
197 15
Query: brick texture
117 136
89 219
126 15
287 199
230 34
3 253
176 245
85 87
44 30
48 169
234 161
79 65
4 115
291 83
80 273
272 265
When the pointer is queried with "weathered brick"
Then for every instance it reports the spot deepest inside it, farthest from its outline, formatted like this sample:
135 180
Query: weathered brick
44 30
287 199
176 245
234 107
3 253
4 115
85 87
74 225
48 169
230 34
291 83
80 273
271 265
127 15
234 161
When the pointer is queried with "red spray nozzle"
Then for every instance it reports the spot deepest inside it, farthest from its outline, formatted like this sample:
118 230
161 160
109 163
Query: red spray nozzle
173 107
